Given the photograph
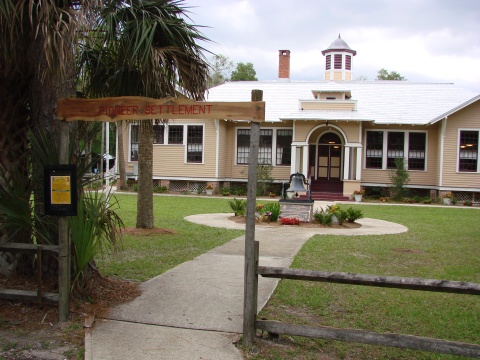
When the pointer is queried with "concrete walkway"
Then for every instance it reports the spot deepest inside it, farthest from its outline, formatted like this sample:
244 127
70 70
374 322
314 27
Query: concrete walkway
195 310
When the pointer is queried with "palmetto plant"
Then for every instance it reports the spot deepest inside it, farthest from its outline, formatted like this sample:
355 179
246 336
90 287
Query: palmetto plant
95 227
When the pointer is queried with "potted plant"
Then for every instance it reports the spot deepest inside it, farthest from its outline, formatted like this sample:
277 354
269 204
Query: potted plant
447 198
357 194
209 189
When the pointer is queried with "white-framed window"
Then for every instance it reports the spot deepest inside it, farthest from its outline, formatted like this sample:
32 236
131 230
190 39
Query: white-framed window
274 146
468 154
384 147
172 134
284 147
194 144
134 130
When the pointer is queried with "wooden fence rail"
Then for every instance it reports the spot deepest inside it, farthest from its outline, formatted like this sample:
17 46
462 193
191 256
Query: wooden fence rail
372 338
456 287
366 337
26 295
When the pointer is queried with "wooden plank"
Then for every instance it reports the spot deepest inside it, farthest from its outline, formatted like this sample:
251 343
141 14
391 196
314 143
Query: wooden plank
26 248
142 108
367 337
457 287
27 295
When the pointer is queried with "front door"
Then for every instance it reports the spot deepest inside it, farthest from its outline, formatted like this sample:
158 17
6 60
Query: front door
329 157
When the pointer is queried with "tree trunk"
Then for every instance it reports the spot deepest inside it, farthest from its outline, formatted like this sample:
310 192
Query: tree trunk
122 185
44 94
145 173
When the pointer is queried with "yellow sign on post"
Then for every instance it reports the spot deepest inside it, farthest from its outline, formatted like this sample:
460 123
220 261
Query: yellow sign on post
61 190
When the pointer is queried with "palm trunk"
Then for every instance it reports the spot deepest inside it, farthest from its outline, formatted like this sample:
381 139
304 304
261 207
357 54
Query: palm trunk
145 173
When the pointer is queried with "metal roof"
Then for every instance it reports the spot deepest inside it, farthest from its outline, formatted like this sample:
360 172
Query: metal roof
383 102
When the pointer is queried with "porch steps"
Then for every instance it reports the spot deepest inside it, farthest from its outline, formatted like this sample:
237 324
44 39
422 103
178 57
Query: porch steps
325 196
325 190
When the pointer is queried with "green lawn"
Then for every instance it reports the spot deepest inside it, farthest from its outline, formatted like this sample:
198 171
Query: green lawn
442 243
144 257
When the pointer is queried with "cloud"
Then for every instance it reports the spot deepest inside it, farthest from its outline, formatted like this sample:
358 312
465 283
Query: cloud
424 40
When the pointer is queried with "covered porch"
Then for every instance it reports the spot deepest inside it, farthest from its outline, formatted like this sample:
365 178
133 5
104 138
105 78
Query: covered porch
331 163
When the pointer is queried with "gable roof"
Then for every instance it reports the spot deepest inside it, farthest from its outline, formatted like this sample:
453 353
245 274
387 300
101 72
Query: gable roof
383 102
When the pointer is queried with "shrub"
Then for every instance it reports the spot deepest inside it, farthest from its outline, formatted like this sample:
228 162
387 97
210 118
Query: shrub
289 221
274 209
226 191
354 214
399 177
324 217
238 206
342 216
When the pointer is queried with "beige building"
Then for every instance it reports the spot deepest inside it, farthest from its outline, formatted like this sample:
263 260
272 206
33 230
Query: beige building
341 134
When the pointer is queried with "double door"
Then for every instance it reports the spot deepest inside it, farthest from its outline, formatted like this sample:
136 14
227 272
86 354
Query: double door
326 158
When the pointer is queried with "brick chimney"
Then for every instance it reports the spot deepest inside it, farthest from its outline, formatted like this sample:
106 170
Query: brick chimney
284 64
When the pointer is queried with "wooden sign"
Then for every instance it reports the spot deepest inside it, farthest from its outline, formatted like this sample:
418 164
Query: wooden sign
142 108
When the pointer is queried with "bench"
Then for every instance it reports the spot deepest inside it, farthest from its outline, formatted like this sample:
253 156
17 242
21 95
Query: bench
28 295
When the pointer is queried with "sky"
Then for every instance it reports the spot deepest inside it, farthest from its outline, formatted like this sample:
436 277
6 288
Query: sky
423 40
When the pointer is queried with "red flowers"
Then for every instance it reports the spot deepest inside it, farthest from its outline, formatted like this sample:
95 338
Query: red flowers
289 221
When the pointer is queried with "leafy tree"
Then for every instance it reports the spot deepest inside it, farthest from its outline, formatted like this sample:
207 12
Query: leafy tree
220 67
383 74
244 72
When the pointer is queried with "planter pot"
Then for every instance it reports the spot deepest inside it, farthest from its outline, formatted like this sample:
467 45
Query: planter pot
447 201
358 198
209 191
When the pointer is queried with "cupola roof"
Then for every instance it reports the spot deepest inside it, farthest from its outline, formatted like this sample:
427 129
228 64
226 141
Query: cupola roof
339 45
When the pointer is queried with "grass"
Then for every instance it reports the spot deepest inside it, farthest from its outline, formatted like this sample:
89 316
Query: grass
442 243
144 257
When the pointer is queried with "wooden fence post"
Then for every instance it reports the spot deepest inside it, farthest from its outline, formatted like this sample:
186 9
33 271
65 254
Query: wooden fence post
250 301
63 239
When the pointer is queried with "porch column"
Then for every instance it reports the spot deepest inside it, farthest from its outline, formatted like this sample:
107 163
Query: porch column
346 163
358 175
305 170
293 164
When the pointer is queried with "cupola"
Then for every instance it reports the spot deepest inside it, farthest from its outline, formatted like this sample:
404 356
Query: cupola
338 60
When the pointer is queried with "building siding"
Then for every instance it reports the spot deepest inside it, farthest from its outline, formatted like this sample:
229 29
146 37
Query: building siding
426 178
340 105
467 118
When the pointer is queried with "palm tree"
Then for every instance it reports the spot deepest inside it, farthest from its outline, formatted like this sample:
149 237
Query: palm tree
144 48
36 68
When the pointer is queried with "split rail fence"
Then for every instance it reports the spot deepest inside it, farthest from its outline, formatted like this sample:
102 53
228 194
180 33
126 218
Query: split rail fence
361 336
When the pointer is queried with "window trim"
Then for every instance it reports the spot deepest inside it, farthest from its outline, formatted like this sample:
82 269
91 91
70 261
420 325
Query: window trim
405 148
185 144
274 144
130 143
457 170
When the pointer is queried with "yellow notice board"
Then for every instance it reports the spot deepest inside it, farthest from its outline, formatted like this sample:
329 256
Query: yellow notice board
61 190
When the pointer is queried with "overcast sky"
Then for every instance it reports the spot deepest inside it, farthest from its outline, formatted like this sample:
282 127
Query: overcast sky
423 40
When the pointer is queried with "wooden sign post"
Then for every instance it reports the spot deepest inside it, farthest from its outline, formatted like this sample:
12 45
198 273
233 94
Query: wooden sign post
141 108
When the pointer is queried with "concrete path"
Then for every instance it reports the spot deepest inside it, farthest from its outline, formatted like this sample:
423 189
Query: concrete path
195 310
